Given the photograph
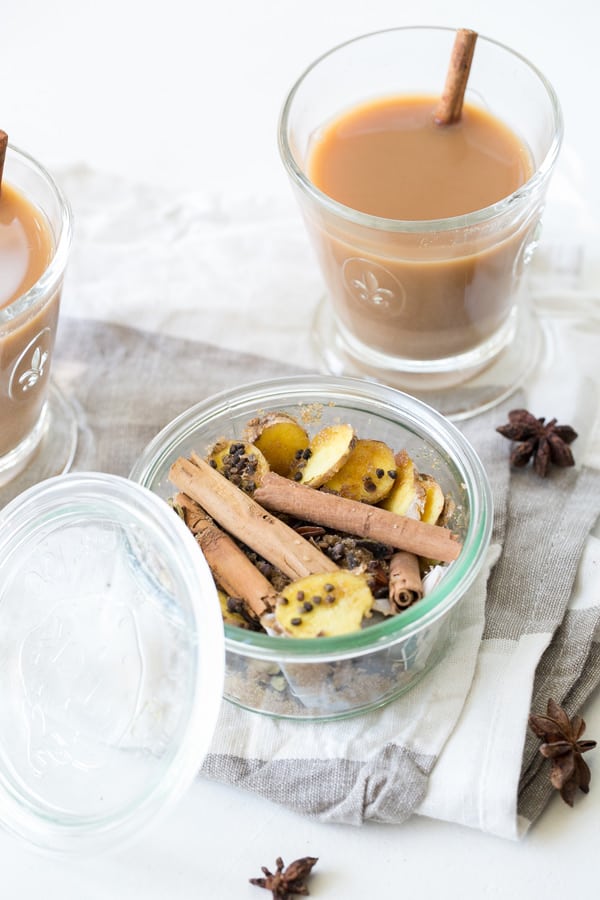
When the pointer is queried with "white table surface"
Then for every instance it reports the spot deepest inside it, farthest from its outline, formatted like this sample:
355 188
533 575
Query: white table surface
161 93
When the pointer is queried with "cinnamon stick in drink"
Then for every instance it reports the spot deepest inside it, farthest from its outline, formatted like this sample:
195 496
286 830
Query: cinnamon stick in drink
3 146
242 517
449 109
405 585
231 568
332 511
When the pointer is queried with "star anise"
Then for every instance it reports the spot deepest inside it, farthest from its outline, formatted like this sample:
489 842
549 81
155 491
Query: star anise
562 745
547 443
283 883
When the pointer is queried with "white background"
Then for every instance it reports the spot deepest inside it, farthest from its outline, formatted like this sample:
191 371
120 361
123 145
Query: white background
186 96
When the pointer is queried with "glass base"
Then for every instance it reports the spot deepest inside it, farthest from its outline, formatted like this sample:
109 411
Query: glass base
49 451
456 394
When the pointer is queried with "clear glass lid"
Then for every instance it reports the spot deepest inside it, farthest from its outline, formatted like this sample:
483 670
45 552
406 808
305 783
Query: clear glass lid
111 648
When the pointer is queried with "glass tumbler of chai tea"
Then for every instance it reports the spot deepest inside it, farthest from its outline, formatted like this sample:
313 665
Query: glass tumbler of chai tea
38 430
423 230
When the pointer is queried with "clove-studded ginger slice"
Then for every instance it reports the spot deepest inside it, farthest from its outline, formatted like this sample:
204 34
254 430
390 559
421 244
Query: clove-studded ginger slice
407 495
368 474
324 605
234 612
240 462
326 454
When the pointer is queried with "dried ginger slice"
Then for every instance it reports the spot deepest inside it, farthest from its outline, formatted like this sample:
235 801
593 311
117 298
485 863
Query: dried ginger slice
229 614
436 511
324 605
279 437
447 512
240 462
407 496
368 474
326 454
434 499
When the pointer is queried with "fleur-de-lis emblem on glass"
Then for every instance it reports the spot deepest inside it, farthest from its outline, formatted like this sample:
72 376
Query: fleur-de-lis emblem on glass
32 375
370 291
373 286
31 366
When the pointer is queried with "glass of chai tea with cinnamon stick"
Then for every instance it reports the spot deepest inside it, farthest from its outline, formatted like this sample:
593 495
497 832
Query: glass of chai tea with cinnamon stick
38 430
421 159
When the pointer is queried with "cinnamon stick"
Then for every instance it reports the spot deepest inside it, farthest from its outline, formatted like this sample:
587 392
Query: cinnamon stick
449 109
241 516
3 146
406 586
231 568
332 511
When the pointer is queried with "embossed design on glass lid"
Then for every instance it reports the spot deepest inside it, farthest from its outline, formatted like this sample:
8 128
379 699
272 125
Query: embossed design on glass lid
112 661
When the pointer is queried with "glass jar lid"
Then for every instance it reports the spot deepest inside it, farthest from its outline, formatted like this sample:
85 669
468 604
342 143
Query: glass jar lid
111 648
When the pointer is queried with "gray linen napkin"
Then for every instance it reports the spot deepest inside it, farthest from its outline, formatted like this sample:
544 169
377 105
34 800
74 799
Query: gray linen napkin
128 384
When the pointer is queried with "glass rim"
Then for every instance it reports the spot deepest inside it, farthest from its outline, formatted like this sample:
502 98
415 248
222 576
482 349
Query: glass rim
413 226
51 276
425 420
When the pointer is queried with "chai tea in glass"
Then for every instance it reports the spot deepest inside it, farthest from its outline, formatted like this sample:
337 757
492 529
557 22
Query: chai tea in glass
423 231
35 236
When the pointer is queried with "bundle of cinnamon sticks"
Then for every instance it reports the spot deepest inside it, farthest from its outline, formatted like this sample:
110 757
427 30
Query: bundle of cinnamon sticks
217 512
